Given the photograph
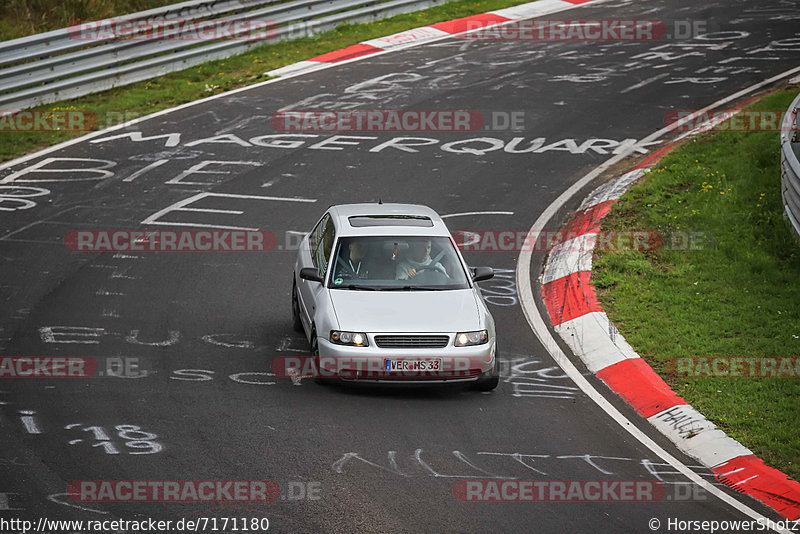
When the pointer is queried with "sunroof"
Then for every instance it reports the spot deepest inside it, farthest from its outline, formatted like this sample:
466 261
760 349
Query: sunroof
361 221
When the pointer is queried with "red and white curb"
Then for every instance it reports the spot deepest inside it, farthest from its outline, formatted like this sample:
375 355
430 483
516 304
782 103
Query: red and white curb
430 33
578 318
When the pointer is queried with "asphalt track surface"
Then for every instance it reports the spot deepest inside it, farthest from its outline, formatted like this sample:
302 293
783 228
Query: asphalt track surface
205 326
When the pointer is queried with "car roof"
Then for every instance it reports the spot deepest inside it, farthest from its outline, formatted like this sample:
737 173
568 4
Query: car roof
342 213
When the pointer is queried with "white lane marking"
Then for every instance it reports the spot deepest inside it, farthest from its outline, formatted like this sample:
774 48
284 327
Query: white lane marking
143 170
37 167
235 344
745 480
461 456
55 497
181 206
211 210
285 345
174 336
537 322
467 213
296 380
34 223
29 422
5 505
644 82
518 457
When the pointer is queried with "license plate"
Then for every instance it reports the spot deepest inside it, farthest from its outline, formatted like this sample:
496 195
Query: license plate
413 365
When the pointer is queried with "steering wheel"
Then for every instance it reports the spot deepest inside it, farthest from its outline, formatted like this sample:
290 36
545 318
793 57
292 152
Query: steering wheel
431 274
435 266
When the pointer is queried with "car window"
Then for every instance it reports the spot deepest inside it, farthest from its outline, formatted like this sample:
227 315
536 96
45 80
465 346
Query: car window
313 237
325 234
389 263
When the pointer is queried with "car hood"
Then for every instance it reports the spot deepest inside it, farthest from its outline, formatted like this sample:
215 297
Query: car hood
406 311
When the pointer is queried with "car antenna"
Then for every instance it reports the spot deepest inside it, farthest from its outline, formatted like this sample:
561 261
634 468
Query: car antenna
380 201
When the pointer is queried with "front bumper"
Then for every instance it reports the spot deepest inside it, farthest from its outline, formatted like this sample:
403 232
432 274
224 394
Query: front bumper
368 364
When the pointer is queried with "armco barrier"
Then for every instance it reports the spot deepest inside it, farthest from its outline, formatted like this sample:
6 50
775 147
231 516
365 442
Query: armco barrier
60 65
790 168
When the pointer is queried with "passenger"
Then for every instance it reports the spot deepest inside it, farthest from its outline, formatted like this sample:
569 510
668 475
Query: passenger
353 265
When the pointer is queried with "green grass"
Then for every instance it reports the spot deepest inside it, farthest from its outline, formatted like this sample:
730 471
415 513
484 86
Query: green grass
737 296
214 77
19 18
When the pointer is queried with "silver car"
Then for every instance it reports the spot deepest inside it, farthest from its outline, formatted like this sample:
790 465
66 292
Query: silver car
383 294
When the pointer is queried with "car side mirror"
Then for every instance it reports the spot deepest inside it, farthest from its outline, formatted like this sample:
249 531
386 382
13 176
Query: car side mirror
311 274
479 274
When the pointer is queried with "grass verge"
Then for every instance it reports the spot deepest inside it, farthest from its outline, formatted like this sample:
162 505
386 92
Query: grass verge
738 295
214 77
19 18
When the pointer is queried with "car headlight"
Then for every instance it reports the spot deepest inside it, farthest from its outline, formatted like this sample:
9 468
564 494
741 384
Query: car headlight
354 339
465 339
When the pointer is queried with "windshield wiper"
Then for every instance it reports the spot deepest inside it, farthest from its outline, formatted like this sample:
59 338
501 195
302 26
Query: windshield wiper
414 288
357 287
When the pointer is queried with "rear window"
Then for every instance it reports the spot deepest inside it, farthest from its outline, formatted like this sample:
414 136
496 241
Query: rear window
362 221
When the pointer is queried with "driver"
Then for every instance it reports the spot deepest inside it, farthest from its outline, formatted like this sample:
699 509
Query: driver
352 264
419 256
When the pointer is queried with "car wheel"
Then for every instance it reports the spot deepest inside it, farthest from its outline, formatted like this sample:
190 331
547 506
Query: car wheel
298 324
490 382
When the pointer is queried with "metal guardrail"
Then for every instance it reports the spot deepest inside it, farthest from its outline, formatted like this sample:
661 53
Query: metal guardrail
790 166
61 64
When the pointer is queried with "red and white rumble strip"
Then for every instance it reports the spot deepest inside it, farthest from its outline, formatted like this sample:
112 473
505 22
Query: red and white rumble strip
434 31
577 316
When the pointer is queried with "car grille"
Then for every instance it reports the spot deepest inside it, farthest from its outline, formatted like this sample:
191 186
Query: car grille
412 342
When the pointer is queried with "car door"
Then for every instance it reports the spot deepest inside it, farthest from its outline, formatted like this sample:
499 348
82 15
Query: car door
320 246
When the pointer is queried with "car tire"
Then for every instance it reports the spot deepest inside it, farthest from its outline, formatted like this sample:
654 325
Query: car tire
490 382
297 324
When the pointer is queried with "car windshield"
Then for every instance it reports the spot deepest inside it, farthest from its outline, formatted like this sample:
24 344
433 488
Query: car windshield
407 263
